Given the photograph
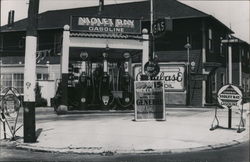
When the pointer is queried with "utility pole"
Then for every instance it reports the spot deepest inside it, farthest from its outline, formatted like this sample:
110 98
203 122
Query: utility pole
151 56
30 73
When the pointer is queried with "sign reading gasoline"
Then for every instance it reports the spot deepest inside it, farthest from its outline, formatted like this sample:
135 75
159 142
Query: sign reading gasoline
229 96
149 100
105 25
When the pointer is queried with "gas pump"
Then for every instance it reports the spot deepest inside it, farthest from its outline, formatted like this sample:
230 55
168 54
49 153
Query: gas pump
105 94
125 84
84 84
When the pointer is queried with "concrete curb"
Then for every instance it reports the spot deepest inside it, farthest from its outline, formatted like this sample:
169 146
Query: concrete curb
100 151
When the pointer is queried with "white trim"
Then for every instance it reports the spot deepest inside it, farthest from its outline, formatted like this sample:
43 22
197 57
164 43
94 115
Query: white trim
103 43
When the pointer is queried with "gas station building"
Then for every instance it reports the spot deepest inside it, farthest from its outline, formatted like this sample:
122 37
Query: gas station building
190 51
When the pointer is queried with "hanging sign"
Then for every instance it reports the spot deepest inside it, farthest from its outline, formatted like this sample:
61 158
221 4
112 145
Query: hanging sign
229 96
149 100
105 25
151 68
160 26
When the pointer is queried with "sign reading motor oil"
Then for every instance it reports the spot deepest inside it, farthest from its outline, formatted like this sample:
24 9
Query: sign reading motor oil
149 100
229 96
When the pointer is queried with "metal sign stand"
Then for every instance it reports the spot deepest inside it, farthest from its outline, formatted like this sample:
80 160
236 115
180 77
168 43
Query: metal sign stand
213 127
4 120
216 124
241 129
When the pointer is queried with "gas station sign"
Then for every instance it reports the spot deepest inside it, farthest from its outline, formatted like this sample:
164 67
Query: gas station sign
105 25
229 96
149 100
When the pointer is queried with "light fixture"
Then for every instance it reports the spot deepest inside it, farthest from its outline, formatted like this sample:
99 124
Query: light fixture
84 55
126 55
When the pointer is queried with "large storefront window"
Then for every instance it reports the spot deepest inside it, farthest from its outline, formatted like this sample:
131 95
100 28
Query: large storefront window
12 80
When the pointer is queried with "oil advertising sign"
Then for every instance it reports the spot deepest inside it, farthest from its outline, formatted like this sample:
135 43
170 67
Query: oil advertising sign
229 96
149 101
171 75
105 25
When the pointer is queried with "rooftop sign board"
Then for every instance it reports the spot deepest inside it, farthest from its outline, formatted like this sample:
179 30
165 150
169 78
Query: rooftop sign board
105 25
229 96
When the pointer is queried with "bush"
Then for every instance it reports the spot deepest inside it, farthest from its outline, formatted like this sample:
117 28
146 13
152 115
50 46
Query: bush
40 101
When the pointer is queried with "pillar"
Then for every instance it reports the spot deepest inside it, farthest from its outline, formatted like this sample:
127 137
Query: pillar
65 68
203 61
229 63
145 51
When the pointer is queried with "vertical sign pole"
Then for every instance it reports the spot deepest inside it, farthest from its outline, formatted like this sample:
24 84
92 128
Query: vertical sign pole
230 82
145 50
151 30
30 73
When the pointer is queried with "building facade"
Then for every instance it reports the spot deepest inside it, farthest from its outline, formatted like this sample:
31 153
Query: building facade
190 52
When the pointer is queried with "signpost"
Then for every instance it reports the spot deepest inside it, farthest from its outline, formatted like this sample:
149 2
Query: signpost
229 97
149 100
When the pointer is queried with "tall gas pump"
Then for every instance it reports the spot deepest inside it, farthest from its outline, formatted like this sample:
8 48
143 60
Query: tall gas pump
105 94
125 83
84 83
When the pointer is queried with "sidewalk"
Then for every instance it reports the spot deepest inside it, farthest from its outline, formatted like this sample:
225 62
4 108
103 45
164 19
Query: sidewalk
184 130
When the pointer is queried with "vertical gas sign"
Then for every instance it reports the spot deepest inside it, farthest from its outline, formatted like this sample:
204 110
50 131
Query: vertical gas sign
149 100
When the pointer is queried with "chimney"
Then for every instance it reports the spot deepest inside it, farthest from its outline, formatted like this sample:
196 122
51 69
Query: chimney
11 17
101 6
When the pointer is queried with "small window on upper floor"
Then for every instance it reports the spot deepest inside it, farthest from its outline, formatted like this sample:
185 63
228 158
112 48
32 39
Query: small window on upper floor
210 40
242 53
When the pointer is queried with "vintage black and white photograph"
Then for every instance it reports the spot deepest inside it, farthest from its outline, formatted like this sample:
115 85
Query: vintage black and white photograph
124 80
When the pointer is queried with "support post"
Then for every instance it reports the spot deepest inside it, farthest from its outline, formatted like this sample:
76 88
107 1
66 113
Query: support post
229 81
65 68
145 51
30 73
240 67
203 61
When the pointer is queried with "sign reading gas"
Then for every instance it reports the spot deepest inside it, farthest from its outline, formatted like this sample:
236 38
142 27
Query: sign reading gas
229 96
105 25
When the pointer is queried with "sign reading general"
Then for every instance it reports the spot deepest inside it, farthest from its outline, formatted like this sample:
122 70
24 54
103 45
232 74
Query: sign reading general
229 96
149 100
105 25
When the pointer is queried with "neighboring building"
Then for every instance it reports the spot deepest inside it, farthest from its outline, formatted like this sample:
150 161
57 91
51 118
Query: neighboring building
241 65
196 84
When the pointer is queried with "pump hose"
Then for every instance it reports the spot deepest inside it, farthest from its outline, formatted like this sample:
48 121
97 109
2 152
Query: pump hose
118 100
100 95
